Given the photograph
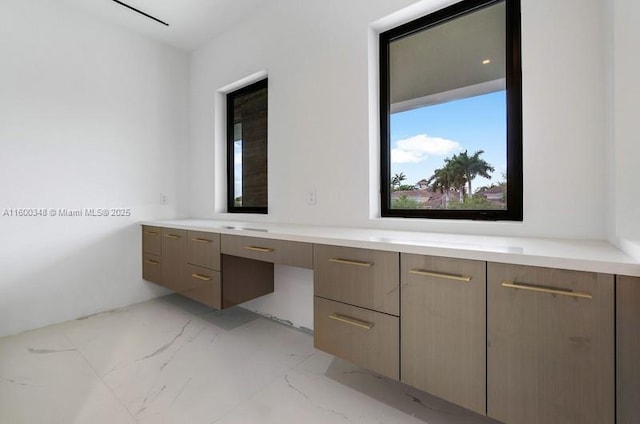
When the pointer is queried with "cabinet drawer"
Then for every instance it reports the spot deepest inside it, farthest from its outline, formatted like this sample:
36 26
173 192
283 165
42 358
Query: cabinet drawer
550 347
152 240
202 285
443 325
268 250
367 338
362 277
204 249
152 268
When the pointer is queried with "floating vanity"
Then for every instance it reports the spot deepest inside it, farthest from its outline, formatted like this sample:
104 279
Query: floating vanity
523 330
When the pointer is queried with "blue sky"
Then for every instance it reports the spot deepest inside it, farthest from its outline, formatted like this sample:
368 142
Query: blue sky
422 138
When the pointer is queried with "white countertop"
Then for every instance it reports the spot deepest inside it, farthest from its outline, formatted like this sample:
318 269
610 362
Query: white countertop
581 255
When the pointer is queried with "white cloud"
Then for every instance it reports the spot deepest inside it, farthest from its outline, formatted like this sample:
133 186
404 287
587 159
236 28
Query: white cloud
417 148
404 156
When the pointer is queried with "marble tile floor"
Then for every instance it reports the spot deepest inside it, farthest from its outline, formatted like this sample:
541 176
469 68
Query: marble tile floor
171 360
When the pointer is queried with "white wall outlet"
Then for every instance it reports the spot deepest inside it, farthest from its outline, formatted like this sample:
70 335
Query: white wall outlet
163 199
311 197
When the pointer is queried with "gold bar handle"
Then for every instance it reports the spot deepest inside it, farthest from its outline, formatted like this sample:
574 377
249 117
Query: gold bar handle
152 233
201 277
352 321
545 289
201 240
260 249
351 262
456 277
152 261
172 236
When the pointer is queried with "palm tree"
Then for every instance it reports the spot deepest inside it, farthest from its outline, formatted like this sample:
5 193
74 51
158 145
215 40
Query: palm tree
470 167
444 179
398 179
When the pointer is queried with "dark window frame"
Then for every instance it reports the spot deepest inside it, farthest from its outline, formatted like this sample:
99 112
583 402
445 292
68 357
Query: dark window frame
231 207
514 210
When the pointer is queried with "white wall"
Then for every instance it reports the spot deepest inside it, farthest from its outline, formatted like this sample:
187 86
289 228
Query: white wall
95 116
91 116
626 141
316 55
319 135
323 130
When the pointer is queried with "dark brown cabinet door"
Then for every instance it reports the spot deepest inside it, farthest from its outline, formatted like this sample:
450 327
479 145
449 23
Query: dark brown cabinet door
550 347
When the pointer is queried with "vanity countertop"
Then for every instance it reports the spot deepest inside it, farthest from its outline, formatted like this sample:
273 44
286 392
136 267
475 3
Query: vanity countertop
580 255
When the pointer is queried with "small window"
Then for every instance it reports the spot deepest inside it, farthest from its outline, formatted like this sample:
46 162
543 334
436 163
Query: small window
247 149
451 114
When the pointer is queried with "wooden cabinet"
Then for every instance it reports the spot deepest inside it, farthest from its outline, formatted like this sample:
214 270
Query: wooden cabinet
152 268
202 285
521 344
191 264
550 353
203 249
356 306
202 281
361 277
443 327
628 349
174 254
244 279
282 252
359 335
152 240
152 254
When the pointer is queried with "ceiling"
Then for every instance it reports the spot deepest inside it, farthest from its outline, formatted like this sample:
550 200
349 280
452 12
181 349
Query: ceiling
447 61
191 22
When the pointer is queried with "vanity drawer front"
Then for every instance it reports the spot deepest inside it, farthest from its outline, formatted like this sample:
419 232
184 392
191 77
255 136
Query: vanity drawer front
151 240
203 249
202 285
362 277
367 338
275 251
152 268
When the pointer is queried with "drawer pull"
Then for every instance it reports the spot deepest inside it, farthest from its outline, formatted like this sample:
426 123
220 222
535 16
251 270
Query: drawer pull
151 233
350 262
152 262
465 278
172 236
201 277
260 249
202 240
545 289
352 321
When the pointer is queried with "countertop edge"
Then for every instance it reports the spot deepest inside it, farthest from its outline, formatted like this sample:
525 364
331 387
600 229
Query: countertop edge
578 255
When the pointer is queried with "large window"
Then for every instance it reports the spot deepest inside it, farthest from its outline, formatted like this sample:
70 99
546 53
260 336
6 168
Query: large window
247 149
451 114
